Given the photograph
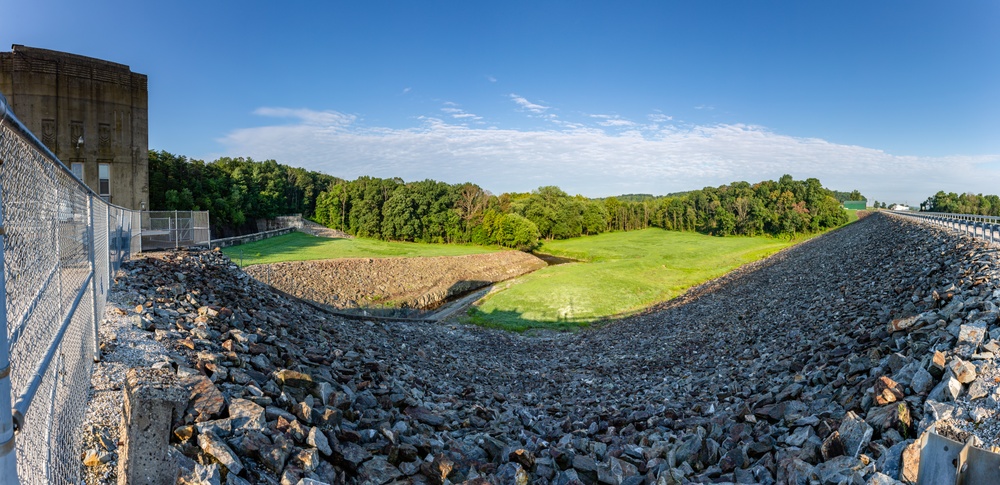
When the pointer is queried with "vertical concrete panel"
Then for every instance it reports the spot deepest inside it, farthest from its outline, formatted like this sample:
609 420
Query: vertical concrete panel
153 398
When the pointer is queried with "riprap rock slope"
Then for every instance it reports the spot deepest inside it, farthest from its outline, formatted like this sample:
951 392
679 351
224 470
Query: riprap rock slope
822 363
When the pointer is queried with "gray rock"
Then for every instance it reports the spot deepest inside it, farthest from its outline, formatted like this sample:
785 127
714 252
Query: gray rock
218 449
979 388
425 416
799 436
965 372
276 455
979 414
201 475
221 428
310 481
796 471
855 433
947 390
247 414
350 455
232 479
922 381
586 469
143 323
272 413
570 477
306 460
969 338
317 439
841 469
512 473
377 471
880 479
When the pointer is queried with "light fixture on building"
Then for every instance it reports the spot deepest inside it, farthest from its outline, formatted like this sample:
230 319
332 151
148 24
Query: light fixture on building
79 143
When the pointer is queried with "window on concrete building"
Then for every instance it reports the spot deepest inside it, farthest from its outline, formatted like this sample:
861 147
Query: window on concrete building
77 169
104 181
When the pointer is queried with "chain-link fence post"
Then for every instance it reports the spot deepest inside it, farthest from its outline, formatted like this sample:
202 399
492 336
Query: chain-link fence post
93 281
8 455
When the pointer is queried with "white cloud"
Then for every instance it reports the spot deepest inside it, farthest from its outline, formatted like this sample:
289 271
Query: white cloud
458 113
528 105
308 116
659 118
491 78
613 121
407 90
594 162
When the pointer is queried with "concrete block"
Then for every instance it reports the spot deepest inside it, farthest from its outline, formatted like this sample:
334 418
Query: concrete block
153 400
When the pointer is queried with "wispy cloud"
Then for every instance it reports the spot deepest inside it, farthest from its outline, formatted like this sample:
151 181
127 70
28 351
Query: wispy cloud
597 161
704 107
528 105
309 117
458 113
407 90
491 78
613 121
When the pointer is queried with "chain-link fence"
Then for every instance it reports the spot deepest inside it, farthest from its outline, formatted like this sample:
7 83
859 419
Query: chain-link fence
174 229
60 245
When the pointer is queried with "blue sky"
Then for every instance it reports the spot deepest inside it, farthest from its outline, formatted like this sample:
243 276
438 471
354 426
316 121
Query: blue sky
898 99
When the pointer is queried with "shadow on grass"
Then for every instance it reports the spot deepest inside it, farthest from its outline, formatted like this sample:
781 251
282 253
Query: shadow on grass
553 260
514 321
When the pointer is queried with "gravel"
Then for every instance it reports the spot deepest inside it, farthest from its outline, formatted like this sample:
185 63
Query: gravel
123 346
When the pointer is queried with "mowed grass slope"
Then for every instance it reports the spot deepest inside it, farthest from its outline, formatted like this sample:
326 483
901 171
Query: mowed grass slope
299 246
622 272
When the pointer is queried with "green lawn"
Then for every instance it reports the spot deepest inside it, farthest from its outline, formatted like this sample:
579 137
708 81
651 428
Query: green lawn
623 272
299 246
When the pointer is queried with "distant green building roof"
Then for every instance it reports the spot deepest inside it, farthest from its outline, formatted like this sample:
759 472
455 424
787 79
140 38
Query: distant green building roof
855 204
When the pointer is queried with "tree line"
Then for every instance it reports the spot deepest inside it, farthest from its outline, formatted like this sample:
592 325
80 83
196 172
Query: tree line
235 191
238 191
431 211
967 203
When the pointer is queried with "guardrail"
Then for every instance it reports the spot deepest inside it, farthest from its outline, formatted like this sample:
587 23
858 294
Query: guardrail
986 227
60 246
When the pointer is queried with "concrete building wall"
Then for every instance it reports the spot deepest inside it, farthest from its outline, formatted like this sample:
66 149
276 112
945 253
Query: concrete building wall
63 98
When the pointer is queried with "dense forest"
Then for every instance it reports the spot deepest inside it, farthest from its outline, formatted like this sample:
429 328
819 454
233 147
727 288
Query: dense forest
238 191
968 203
432 211
235 191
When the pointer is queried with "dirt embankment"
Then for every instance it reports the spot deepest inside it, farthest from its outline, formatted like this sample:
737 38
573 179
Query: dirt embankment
402 282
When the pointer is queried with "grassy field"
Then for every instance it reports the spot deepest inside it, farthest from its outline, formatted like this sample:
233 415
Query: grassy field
299 246
622 273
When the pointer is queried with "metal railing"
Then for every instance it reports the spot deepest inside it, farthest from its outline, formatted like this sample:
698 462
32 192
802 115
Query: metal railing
60 245
986 227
